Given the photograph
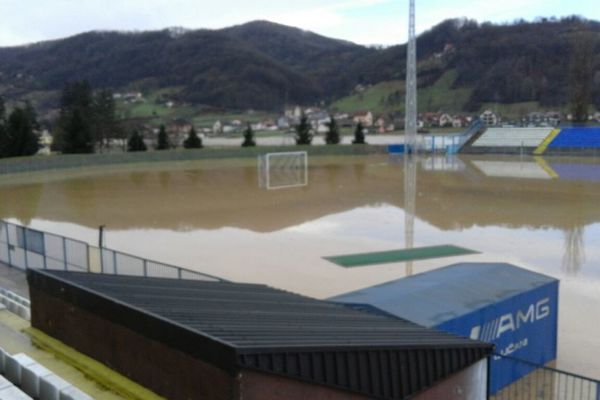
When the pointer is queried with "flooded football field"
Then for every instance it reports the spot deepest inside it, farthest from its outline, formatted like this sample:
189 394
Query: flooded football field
219 217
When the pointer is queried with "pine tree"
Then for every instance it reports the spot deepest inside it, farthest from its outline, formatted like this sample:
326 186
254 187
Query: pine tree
359 134
31 115
249 137
303 135
76 135
104 118
136 142
163 139
20 138
3 133
333 132
193 141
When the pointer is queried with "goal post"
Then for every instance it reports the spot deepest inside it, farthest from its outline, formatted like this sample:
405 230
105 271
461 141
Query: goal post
283 170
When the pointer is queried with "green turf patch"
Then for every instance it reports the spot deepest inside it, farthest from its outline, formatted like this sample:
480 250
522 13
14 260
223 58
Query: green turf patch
385 257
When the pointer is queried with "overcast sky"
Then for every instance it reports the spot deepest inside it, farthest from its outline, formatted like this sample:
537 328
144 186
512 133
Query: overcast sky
360 21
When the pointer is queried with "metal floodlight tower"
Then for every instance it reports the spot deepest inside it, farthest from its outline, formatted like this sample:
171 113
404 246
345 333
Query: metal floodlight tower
410 122
410 139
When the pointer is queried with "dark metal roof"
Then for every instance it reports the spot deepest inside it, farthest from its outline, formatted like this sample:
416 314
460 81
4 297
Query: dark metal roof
437 296
252 326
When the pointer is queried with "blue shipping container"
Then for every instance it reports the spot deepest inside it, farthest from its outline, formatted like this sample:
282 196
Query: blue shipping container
499 303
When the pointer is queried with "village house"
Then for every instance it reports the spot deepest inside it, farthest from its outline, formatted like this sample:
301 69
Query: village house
133 97
383 125
295 112
364 117
45 142
319 120
490 118
217 128
445 120
430 119
542 119
285 122
178 130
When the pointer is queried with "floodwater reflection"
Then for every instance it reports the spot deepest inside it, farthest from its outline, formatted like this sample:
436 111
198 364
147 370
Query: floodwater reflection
212 216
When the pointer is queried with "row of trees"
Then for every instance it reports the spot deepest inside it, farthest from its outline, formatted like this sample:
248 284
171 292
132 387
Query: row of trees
136 141
332 136
88 121
304 136
18 131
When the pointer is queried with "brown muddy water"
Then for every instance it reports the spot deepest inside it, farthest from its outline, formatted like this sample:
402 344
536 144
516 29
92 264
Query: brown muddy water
214 217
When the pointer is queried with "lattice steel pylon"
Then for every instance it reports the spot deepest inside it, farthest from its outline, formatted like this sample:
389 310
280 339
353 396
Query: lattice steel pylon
410 138
410 205
410 122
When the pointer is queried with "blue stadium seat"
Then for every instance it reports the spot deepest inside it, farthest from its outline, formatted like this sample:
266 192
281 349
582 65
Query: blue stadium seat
577 138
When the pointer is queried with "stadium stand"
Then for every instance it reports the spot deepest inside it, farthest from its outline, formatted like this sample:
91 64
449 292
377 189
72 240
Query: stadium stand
512 137
577 138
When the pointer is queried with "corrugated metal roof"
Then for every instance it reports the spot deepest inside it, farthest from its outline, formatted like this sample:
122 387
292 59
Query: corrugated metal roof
254 326
434 297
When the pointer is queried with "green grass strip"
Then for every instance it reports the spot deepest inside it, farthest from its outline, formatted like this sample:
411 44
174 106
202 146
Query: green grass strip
386 257
92 368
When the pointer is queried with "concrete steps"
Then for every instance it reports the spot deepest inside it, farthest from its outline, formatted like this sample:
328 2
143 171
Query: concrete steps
21 377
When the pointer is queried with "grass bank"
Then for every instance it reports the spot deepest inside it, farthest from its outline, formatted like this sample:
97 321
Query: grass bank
57 162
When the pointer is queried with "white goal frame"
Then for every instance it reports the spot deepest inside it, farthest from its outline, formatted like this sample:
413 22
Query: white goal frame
297 170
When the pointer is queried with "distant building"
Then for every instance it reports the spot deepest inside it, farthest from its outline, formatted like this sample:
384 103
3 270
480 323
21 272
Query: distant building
430 119
542 119
446 120
383 125
45 141
318 120
294 112
364 117
489 118
284 122
217 128
133 97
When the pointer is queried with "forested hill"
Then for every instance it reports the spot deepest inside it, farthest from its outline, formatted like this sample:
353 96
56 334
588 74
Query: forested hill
263 65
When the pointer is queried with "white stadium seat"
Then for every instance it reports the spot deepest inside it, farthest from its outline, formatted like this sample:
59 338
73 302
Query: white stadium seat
512 137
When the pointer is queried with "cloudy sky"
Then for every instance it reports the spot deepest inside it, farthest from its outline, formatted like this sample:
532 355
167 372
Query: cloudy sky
360 21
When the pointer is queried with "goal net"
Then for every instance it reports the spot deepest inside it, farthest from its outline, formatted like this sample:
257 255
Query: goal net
283 170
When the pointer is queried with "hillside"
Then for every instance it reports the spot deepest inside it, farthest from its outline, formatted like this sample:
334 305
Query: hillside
261 65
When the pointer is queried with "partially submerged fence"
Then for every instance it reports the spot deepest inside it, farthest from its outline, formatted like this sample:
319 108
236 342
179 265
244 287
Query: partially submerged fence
545 383
23 248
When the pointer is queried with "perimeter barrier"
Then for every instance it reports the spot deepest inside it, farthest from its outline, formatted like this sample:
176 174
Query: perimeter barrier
545 383
23 248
